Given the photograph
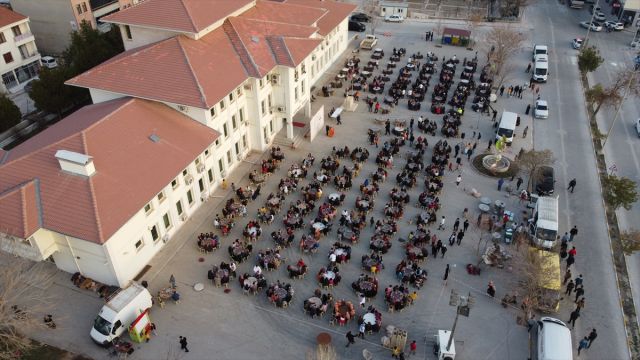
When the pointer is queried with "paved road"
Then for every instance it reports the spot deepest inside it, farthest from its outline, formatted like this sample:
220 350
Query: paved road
567 134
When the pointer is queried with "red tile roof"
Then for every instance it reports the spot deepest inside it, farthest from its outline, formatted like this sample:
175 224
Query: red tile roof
130 168
201 72
190 16
8 17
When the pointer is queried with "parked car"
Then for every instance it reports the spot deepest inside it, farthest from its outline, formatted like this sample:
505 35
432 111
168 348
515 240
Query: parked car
595 26
544 181
577 43
614 25
356 26
393 18
638 127
600 16
595 8
49 62
541 110
360 17
635 44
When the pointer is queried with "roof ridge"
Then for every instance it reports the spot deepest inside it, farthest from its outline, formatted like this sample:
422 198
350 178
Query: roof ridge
193 25
23 210
238 45
203 97
271 39
73 134
96 213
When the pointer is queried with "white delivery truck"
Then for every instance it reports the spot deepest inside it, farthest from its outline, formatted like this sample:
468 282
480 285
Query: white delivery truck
540 68
550 340
543 226
121 309
507 126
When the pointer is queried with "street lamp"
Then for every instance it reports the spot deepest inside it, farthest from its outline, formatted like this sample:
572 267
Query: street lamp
593 15
463 306
626 93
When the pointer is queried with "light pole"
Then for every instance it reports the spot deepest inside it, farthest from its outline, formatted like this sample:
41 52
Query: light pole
626 93
463 306
593 15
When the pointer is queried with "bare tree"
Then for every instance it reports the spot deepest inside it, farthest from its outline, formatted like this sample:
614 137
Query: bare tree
370 7
531 160
322 352
630 241
473 22
502 45
23 303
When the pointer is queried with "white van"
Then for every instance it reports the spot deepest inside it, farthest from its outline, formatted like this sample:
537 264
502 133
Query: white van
540 68
551 340
121 309
539 50
543 226
507 127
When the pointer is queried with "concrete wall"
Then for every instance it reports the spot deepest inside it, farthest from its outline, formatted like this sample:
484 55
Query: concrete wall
143 36
51 22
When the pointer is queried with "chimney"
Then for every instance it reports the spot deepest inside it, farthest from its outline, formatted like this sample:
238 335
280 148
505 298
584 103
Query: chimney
75 163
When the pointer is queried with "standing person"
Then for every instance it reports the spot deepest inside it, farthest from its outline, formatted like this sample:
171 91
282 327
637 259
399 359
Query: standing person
361 329
567 276
172 281
526 112
573 232
387 127
338 120
372 222
491 289
570 287
583 344
572 185
442 222
526 130
592 336
495 114
225 185
377 107
443 249
445 277
426 36
500 183
575 314
528 68
456 225
458 162
413 347
183 344
501 90
519 183
460 236
350 339
465 225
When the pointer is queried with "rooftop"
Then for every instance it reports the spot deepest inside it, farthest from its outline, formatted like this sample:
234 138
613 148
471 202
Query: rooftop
8 17
130 168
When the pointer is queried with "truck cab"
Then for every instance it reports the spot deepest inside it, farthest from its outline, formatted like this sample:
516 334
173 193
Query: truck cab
540 68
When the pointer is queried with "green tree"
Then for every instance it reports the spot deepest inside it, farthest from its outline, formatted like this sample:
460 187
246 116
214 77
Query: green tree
9 113
90 47
619 192
589 59
50 94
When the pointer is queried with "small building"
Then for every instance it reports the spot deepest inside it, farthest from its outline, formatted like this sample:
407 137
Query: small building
20 58
458 37
394 8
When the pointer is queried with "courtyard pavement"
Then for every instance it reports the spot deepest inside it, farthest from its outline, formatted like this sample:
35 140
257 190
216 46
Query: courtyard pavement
233 326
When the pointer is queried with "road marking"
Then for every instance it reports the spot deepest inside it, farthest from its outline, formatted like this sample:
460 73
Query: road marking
573 60
613 64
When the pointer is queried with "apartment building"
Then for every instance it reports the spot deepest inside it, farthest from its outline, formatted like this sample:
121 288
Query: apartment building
53 20
240 69
20 58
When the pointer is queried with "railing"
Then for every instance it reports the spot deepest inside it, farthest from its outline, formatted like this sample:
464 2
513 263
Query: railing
23 37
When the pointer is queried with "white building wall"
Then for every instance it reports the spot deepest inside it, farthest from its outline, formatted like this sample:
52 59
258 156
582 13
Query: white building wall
143 36
28 55
98 96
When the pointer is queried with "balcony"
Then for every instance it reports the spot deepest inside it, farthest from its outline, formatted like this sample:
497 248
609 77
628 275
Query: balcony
28 55
23 38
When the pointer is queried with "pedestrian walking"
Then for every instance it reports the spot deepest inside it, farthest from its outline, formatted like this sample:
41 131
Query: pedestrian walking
469 153
172 281
583 344
491 289
531 322
572 185
457 150
225 185
350 339
501 90
326 130
446 275
519 183
579 280
426 36
580 304
458 162
567 276
442 222
579 292
183 344
411 124
537 90
500 183
361 330
377 107
573 252
338 120
456 224
573 232
372 222
520 92
460 236
452 238
526 130
526 112
387 127
528 68
443 250
413 347
362 299
570 287
465 225
575 314
592 336
570 260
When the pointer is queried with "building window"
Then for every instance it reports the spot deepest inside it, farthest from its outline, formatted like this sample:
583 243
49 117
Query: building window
155 235
271 126
295 93
174 183
148 208
185 172
237 146
2 38
241 114
221 105
263 107
9 79
127 32
207 153
269 101
139 244
265 134
261 83
210 175
84 6
302 87
234 124
197 161
231 97
224 130
213 112
229 157
217 143
161 196
8 58
221 165
244 141
79 9
179 207
239 91
167 221
190 197
201 185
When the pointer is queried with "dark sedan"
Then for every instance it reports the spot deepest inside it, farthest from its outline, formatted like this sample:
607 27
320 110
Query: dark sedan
357 26
360 17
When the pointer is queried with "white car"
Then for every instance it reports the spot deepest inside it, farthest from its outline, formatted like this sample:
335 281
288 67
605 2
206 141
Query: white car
393 18
638 127
49 62
600 16
614 25
595 26
577 43
541 110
